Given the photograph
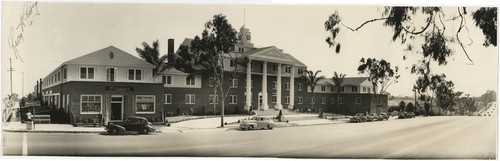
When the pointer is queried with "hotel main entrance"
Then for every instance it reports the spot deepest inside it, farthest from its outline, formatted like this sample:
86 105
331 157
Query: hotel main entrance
116 107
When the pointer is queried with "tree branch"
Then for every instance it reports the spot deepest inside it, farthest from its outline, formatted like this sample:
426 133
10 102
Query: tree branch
419 32
458 37
366 22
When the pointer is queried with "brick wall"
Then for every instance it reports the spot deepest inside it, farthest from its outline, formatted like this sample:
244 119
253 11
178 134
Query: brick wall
129 91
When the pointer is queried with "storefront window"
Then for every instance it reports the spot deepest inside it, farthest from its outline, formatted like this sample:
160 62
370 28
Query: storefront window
145 104
90 104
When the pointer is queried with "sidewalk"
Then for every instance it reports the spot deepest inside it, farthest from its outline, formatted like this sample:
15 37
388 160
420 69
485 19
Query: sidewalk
202 124
49 128
211 124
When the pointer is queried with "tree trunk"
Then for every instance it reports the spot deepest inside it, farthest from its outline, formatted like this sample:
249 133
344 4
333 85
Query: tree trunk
222 106
222 114
215 99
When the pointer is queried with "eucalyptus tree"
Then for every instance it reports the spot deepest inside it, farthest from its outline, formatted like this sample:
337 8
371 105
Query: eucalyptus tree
207 55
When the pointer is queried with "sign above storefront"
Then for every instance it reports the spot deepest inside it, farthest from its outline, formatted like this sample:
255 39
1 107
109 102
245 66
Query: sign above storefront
118 88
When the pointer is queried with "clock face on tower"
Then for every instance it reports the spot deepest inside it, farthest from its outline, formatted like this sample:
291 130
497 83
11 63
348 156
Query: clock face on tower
248 37
239 36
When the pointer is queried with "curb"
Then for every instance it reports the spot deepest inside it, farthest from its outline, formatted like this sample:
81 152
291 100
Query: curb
46 131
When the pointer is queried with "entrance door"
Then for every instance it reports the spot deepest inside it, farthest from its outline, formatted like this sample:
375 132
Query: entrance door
116 107
260 100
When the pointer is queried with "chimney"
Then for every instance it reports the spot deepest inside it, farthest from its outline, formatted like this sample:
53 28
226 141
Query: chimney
36 89
41 85
170 46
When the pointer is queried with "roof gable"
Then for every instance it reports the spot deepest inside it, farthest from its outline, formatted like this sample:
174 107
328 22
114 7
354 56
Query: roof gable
269 54
103 57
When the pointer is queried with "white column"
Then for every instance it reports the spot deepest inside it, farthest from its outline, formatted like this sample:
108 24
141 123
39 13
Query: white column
278 105
292 88
249 86
264 87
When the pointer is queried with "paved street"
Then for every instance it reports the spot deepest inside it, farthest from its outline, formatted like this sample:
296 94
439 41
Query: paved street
422 137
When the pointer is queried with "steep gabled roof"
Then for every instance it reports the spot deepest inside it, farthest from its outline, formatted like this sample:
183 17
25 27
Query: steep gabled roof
297 62
187 41
354 80
102 57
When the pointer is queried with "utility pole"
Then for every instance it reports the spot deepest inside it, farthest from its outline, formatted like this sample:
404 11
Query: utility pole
10 70
22 86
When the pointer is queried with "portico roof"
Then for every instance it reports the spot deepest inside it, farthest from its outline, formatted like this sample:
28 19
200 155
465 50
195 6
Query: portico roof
272 54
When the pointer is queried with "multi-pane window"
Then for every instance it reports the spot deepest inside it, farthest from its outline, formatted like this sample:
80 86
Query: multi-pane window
231 63
86 73
233 99
300 100
274 84
145 103
274 98
287 100
301 70
364 89
299 86
323 100
313 101
168 98
190 81
65 73
190 98
288 69
211 82
342 89
90 104
234 83
323 88
332 89
134 74
275 67
287 86
110 74
213 99
341 100
354 89
332 100
166 79
358 100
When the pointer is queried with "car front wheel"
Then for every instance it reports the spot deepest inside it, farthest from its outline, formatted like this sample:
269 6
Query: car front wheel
113 131
145 131
269 127
250 127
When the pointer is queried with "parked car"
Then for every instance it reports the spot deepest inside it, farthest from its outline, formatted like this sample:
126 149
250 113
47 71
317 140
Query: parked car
359 117
410 115
372 117
383 116
257 122
403 115
138 124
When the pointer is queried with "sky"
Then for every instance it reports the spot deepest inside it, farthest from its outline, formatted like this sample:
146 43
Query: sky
60 31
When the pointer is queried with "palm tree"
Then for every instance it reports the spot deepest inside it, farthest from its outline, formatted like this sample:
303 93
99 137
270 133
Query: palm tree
151 55
337 80
311 80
